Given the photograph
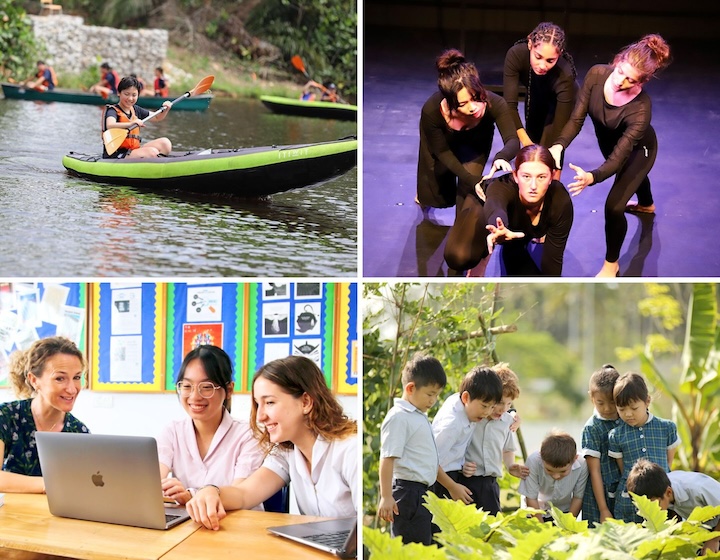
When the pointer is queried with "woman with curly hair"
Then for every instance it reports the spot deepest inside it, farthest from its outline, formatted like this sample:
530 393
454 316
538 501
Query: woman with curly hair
308 440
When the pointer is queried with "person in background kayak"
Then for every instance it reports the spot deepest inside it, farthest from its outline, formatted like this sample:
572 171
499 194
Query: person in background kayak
309 92
125 114
108 84
161 83
45 78
330 93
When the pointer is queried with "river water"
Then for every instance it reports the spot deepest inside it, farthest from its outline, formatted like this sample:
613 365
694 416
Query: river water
52 224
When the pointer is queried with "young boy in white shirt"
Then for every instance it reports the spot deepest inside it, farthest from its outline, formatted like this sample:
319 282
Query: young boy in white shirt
679 491
408 456
453 425
557 476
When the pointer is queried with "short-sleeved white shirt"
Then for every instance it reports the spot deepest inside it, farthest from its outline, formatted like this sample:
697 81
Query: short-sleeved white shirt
489 440
693 489
406 435
330 488
233 452
542 487
452 430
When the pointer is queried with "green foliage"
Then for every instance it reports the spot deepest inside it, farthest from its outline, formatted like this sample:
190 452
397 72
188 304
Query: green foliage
696 405
454 323
322 32
469 533
18 48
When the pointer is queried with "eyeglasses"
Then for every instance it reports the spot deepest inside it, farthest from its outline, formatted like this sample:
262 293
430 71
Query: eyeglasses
206 389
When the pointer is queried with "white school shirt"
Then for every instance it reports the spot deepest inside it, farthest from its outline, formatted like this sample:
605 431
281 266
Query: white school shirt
488 441
693 489
540 486
406 435
330 489
452 430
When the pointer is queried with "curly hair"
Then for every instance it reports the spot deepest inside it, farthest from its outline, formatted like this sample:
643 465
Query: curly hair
298 376
33 361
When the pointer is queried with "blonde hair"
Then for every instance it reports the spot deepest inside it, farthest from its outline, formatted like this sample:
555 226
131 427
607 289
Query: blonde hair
33 361
510 381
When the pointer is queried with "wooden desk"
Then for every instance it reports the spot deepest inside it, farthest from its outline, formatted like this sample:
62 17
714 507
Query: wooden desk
244 534
28 531
27 525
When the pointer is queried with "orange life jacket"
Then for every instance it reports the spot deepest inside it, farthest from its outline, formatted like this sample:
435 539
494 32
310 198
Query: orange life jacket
45 84
132 142
161 91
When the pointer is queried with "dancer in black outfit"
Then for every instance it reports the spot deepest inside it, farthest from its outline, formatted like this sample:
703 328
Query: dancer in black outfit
524 205
457 125
613 96
541 64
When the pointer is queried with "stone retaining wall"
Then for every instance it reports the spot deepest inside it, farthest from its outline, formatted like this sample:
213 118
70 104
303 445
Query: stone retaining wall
73 47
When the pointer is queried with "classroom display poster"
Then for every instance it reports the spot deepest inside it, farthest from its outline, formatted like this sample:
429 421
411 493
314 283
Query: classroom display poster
30 311
200 314
127 339
301 319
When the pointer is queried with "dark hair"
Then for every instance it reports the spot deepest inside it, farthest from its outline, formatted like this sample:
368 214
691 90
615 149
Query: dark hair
603 380
297 376
34 359
482 383
548 32
424 370
535 152
648 56
455 73
648 479
558 449
105 65
128 82
160 68
630 387
217 365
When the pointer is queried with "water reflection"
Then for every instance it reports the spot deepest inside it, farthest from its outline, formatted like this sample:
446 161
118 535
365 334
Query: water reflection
58 225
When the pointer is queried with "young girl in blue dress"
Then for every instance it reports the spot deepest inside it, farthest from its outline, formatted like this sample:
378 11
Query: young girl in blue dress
640 436
604 474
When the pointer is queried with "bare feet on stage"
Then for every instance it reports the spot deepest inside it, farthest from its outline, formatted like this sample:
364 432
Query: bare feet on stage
637 209
609 270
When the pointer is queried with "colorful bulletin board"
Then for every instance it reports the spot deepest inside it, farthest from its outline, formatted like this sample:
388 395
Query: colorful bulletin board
311 319
211 313
30 311
347 339
127 337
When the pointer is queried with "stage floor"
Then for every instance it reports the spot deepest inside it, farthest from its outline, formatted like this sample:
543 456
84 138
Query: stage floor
399 240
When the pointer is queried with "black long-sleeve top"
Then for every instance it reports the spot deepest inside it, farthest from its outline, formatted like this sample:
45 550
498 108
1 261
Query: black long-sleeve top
444 143
556 217
618 129
559 82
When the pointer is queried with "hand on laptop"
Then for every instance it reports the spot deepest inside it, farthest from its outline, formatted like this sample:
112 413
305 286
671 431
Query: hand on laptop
206 508
172 488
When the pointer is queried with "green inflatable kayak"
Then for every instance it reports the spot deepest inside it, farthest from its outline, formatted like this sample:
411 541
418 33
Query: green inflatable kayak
320 109
243 172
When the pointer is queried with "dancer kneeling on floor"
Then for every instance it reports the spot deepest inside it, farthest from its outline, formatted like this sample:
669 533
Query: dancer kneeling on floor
520 207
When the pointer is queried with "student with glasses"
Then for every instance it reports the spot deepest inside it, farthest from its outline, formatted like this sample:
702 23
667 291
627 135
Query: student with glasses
208 446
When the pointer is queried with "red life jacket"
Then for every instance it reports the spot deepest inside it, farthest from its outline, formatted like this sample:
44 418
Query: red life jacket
161 91
132 142
45 84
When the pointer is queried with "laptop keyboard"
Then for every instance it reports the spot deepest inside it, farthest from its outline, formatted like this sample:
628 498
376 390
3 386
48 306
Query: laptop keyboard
332 540
169 518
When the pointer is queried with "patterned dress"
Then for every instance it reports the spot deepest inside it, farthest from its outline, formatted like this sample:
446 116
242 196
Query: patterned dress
595 444
17 432
650 441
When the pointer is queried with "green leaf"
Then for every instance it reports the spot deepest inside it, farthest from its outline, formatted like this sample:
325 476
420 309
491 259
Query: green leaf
383 546
569 522
704 513
454 516
656 518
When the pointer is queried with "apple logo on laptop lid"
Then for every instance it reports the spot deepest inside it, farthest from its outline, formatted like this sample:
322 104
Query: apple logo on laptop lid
97 479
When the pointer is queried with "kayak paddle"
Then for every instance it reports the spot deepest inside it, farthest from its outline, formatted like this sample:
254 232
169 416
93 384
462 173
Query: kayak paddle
298 64
114 137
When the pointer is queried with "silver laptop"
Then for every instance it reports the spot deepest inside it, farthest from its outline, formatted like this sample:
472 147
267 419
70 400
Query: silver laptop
113 479
337 536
